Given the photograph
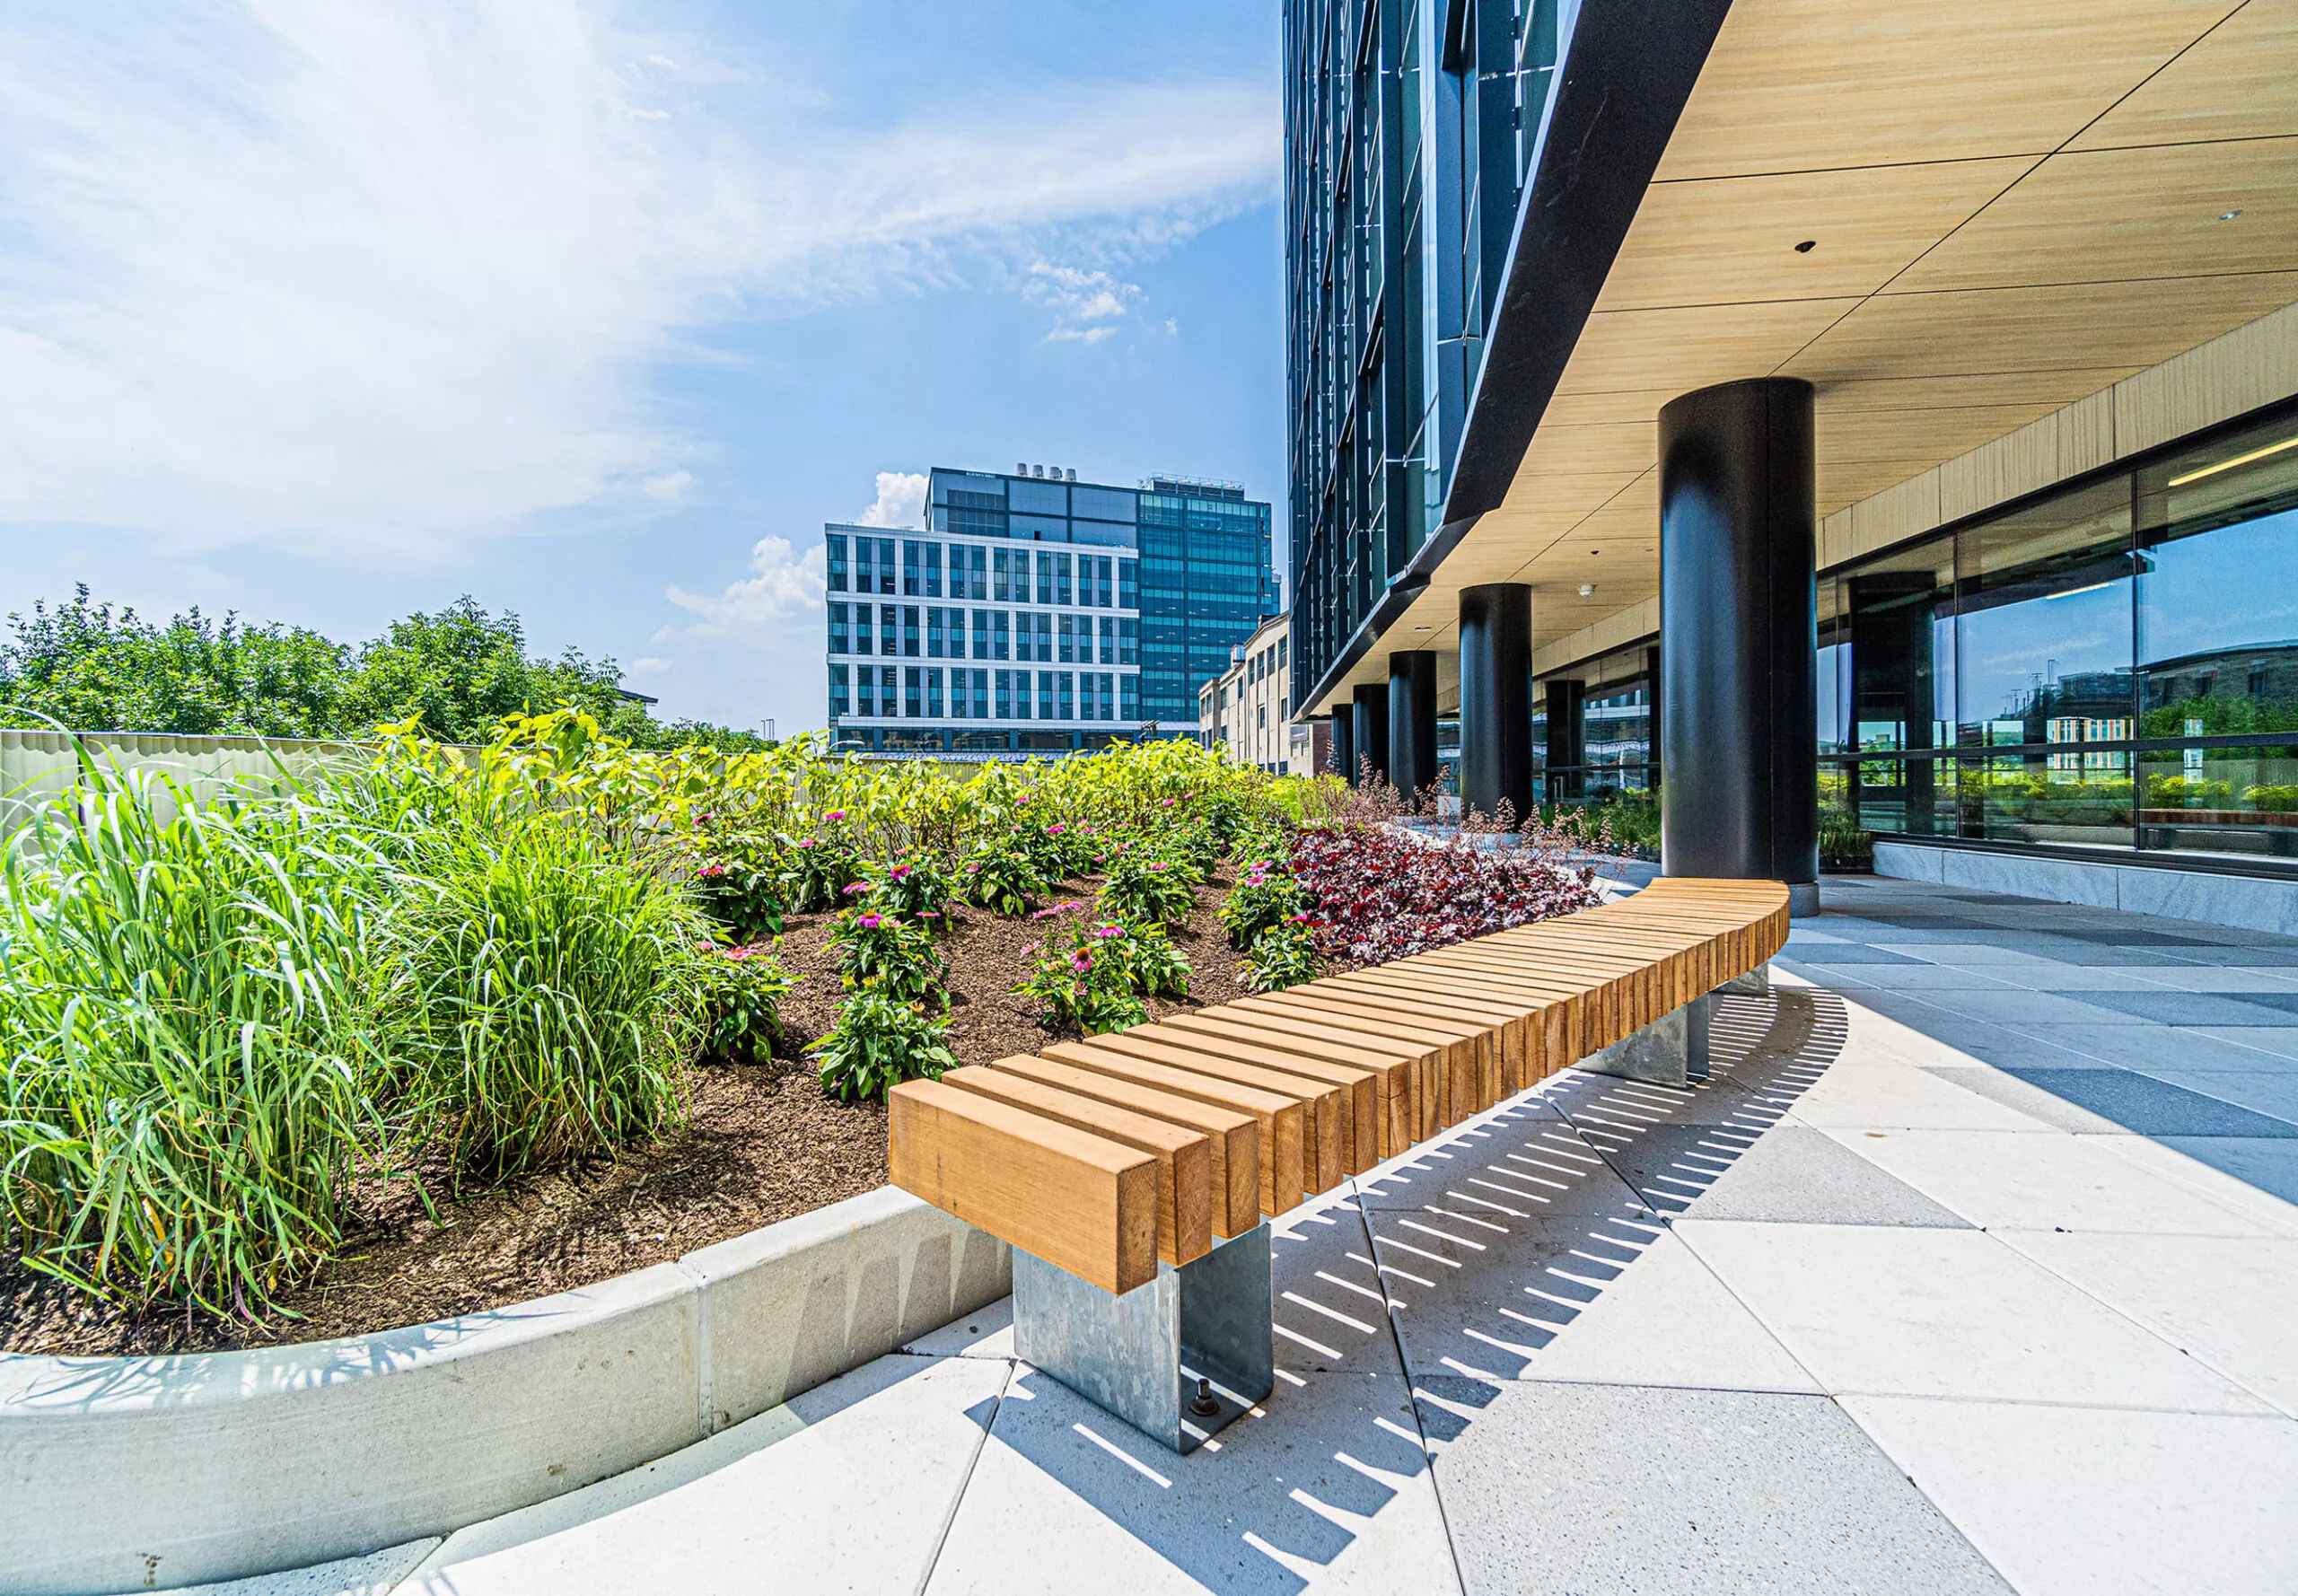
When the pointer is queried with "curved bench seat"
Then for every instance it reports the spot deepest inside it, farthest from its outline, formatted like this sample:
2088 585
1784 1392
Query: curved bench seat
1105 1156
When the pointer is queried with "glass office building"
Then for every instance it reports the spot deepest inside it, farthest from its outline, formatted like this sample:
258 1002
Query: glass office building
1410 128
1036 613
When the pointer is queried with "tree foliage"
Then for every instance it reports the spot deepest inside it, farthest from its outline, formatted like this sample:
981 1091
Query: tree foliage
454 672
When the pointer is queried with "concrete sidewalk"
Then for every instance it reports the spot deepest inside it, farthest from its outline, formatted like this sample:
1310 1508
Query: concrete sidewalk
1896 1302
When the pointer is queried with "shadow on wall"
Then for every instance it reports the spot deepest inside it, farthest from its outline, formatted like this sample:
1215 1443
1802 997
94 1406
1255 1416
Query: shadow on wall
1489 1248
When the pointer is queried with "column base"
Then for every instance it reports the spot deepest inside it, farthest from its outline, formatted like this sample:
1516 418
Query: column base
1198 1336
1756 983
1803 899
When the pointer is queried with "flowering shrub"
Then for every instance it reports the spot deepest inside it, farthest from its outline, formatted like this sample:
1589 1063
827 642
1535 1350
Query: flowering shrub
741 989
878 1042
1283 955
1142 889
881 953
914 887
1378 895
817 870
1078 979
1264 897
1152 966
740 893
999 878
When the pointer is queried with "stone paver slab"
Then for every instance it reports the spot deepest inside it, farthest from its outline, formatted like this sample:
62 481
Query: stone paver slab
845 1488
375 1575
2000 1181
2153 1108
1331 1489
2033 1101
2099 1501
1602 1489
1790 1173
1951 1313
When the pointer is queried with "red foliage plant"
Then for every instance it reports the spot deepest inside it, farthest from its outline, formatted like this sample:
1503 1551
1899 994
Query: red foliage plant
1381 895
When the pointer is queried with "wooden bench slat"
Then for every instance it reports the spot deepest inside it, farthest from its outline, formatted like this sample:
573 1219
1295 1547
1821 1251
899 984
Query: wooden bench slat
1284 1120
1232 1136
1184 1157
1392 1057
1079 1201
1321 1165
1363 1077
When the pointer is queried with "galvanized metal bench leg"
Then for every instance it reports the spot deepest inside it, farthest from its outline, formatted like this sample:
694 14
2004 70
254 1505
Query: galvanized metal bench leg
1142 1355
1756 983
1668 1052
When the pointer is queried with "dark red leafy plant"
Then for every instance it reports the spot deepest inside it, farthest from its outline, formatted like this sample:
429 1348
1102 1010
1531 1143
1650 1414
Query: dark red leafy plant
1379 895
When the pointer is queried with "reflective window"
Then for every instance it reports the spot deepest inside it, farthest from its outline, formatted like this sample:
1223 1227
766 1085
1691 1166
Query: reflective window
835 545
837 630
840 703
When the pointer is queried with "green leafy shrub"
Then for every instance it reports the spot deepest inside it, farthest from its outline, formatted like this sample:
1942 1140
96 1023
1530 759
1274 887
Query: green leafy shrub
999 879
1263 898
879 1041
1152 966
1142 889
741 887
2187 791
741 990
881 953
819 868
1077 981
2275 799
1282 956
916 887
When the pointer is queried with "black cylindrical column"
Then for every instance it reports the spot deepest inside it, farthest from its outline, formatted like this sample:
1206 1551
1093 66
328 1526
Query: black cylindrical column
1496 699
1343 743
1652 719
1412 722
1373 727
1568 740
1739 729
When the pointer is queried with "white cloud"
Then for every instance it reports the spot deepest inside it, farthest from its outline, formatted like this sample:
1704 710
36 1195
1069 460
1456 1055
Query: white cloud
650 666
396 275
901 501
1087 306
784 587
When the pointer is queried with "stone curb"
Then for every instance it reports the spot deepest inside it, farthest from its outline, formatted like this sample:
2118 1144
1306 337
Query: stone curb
130 1474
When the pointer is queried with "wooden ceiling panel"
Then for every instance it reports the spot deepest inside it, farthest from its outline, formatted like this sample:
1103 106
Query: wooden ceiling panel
1694 347
1806 85
2047 389
1729 241
2006 330
2104 215
1930 435
1579 450
2239 81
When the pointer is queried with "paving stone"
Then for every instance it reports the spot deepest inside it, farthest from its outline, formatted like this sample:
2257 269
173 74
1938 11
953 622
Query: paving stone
1330 1488
2030 1099
2270 1091
1847 953
2195 1008
2033 1011
2153 1107
2268 1163
2049 1182
1596 1488
2138 1046
2103 1502
1911 1311
1790 1173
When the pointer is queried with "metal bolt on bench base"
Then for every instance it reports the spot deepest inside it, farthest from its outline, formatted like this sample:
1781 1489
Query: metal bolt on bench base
1142 1355
1671 1051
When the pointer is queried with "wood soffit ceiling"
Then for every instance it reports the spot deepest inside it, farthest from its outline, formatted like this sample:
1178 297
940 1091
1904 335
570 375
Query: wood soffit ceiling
2012 206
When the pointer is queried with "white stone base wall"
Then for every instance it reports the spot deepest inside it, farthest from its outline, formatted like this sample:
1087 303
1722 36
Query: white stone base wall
2245 902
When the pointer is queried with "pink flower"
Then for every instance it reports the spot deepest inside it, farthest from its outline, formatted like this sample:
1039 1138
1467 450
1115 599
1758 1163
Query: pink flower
805 842
1165 802
1106 931
898 872
713 870
927 913
857 887
1081 962
1031 949
1055 830
871 922
835 814
738 953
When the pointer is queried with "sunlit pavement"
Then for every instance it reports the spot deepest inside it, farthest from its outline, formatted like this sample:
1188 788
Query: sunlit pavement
1974 1266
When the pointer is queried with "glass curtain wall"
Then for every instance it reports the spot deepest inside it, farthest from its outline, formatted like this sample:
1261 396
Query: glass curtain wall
2114 666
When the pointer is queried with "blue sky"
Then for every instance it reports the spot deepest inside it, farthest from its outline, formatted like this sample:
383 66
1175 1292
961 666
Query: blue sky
597 312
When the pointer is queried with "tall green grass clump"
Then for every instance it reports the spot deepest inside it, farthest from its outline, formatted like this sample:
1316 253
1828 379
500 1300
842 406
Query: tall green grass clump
186 1050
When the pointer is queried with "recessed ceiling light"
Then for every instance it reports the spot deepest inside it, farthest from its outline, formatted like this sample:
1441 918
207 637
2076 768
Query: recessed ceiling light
1587 590
1424 629
2229 216
1807 246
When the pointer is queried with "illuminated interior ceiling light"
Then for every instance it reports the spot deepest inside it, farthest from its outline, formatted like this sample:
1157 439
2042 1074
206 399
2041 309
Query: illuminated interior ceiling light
2076 592
1587 590
1807 246
2240 460
2228 215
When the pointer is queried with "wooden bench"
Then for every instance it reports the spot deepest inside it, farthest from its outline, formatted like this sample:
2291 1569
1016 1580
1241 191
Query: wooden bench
1124 1160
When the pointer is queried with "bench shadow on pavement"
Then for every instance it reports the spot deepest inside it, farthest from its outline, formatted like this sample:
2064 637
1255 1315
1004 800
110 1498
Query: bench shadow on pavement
1405 1302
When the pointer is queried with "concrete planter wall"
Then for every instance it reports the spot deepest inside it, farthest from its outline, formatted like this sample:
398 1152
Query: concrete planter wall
2247 903
121 1474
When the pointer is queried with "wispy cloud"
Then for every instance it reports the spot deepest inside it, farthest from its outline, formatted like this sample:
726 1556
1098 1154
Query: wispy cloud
399 276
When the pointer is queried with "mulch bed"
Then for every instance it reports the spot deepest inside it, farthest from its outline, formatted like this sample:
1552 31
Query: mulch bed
764 1143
